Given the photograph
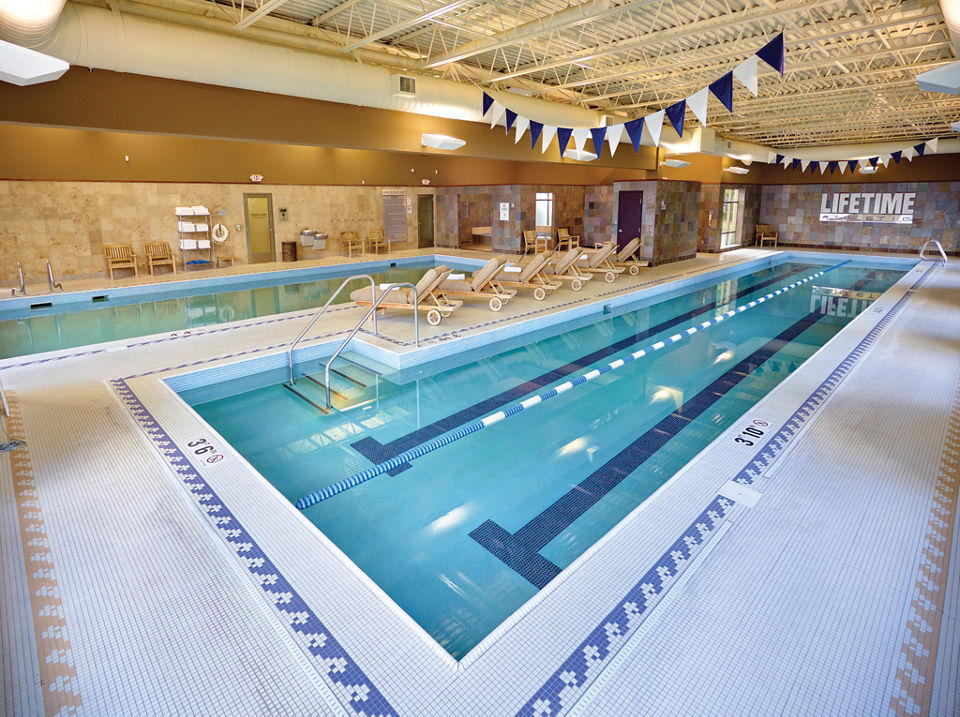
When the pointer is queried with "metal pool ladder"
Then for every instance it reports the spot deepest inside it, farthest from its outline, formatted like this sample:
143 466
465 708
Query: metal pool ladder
943 255
22 289
54 285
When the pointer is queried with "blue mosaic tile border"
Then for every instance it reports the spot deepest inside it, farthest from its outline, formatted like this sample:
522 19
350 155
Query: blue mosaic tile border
570 681
347 681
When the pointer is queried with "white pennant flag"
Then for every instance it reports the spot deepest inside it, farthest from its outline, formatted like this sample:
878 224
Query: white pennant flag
522 124
497 111
653 124
580 138
804 163
548 134
697 103
885 159
909 153
932 145
614 135
746 72
823 167
786 161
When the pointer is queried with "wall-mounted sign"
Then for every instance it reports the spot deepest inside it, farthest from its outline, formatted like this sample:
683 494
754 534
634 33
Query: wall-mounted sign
504 211
256 177
878 207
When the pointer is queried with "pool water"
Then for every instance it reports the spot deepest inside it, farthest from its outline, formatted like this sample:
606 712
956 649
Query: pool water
84 323
463 536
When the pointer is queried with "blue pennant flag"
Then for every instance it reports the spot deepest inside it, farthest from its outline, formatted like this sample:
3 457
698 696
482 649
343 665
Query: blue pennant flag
598 134
779 159
896 156
814 166
919 148
634 130
535 129
772 53
873 161
722 89
852 165
675 114
832 166
511 118
563 138
795 164
487 101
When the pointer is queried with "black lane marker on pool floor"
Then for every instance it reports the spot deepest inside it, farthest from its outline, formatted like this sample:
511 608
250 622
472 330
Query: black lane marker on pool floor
521 550
371 449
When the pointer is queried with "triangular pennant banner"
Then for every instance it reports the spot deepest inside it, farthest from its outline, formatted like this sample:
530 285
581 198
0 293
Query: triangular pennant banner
885 159
496 114
722 89
779 159
794 164
511 118
746 72
787 161
697 103
635 130
833 167
932 145
873 161
614 135
909 153
675 113
654 124
852 165
563 138
772 53
803 164
487 101
896 156
919 148
597 135
535 129
522 125
580 138
548 133
823 167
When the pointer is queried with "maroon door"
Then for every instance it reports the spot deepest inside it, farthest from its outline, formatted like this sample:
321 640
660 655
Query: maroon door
629 217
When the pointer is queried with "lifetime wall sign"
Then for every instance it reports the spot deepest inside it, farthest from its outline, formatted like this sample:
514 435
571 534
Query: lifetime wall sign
880 207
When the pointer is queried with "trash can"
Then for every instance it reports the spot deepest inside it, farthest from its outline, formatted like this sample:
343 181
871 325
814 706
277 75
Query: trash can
288 251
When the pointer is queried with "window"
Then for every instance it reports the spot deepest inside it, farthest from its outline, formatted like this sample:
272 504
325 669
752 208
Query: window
544 209
731 217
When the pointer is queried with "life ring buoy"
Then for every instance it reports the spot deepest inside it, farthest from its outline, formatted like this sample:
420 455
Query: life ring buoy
220 233
227 313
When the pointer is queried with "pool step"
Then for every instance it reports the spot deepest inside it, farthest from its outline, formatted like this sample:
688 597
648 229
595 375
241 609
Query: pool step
350 387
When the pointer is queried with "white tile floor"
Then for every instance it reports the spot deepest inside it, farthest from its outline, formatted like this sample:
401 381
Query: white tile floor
829 596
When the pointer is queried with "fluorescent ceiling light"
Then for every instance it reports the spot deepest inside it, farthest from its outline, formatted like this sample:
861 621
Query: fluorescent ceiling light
746 159
675 163
955 126
21 66
867 169
441 141
581 155
944 79
738 170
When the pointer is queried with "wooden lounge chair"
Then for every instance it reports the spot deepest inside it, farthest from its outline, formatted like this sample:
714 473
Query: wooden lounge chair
565 238
158 254
766 233
532 277
483 285
564 268
629 257
599 262
428 298
376 241
120 256
350 241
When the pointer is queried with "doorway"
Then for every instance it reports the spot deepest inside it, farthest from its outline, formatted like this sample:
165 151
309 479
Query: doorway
259 214
425 220
629 217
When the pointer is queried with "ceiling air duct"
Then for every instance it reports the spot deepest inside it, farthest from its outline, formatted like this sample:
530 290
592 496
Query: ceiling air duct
28 22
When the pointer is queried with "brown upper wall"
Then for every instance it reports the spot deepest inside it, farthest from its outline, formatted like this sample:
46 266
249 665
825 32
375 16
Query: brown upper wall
929 168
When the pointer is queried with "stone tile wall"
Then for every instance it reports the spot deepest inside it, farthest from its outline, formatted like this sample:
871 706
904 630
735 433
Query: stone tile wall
599 215
677 225
709 237
473 210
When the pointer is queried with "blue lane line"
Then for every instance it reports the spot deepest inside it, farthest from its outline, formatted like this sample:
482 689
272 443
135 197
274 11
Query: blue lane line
376 452
430 446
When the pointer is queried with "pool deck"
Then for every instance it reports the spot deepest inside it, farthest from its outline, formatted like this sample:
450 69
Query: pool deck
815 572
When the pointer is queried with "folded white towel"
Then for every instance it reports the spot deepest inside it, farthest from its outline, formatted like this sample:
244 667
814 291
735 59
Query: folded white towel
512 269
457 276
188 243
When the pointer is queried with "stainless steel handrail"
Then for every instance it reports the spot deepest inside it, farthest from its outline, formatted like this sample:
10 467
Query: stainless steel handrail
373 310
54 285
938 245
22 288
333 296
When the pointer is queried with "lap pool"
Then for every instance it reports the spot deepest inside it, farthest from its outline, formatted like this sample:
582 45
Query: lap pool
463 536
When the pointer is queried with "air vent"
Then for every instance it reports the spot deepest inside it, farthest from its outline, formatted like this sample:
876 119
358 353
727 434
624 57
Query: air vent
404 86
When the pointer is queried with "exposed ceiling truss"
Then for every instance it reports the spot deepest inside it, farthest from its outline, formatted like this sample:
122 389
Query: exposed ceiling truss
850 64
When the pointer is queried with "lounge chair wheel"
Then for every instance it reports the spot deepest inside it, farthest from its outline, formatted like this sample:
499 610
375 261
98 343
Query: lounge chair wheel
539 293
634 270
609 277
576 285
433 317
496 304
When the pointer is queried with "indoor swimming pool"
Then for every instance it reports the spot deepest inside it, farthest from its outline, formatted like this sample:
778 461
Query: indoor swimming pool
30 325
463 536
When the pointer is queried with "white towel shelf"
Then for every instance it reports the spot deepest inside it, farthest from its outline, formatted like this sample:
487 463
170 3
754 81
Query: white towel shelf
194 236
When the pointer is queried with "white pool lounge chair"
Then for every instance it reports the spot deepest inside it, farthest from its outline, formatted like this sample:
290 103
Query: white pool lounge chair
483 285
428 298
564 268
532 277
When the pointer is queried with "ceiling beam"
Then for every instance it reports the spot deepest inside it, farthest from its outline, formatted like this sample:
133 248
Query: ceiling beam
265 9
404 24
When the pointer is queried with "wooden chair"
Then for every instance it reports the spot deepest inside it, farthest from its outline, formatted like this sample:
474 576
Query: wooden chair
120 256
529 241
158 254
350 241
376 241
565 238
766 233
